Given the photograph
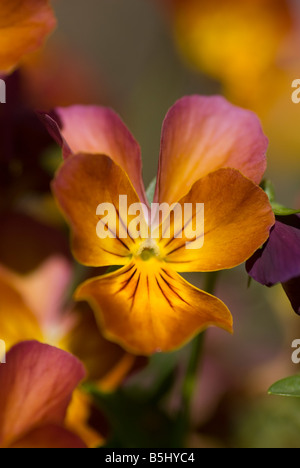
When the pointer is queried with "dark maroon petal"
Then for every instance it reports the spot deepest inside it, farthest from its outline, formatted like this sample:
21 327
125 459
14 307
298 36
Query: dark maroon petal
279 260
38 243
292 289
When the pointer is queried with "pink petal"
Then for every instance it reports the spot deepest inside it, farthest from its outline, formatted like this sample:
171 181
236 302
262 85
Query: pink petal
203 134
97 130
50 436
36 386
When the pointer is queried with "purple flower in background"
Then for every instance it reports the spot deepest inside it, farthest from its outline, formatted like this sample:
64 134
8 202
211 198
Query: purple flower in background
279 259
23 140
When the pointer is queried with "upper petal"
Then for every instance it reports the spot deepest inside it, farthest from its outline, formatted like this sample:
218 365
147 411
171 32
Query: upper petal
98 130
279 260
148 308
203 134
237 221
36 385
23 26
83 183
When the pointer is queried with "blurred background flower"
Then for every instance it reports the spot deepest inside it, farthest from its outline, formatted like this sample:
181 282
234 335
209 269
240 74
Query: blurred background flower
37 384
251 49
24 27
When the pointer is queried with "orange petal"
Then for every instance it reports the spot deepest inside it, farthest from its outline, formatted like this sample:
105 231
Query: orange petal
237 221
50 436
203 134
23 27
147 308
78 417
84 182
36 385
17 322
107 363
97 130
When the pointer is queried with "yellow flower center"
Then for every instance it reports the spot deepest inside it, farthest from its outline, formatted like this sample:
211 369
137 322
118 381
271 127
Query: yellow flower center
148 250
147 253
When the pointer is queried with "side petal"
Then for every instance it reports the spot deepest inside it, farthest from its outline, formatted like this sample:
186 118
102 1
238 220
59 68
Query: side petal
97 130
23 27
237 221
203 134
147 308
279 260
36 385
83 182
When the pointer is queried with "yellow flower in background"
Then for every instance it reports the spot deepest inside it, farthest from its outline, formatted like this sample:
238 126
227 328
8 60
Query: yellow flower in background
252 48
235 42
209 152
24 24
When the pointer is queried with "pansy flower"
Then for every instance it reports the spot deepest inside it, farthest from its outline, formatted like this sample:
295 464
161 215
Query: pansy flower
24 24
279 259
36 386
212 153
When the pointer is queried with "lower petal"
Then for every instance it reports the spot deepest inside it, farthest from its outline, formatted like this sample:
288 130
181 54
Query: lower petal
147 308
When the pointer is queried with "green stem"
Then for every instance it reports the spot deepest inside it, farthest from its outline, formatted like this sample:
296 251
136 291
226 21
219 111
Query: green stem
191 375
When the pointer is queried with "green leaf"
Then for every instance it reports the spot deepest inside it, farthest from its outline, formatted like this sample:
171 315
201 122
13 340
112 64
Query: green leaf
151 190
289 387
280 210
268 187
135 412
